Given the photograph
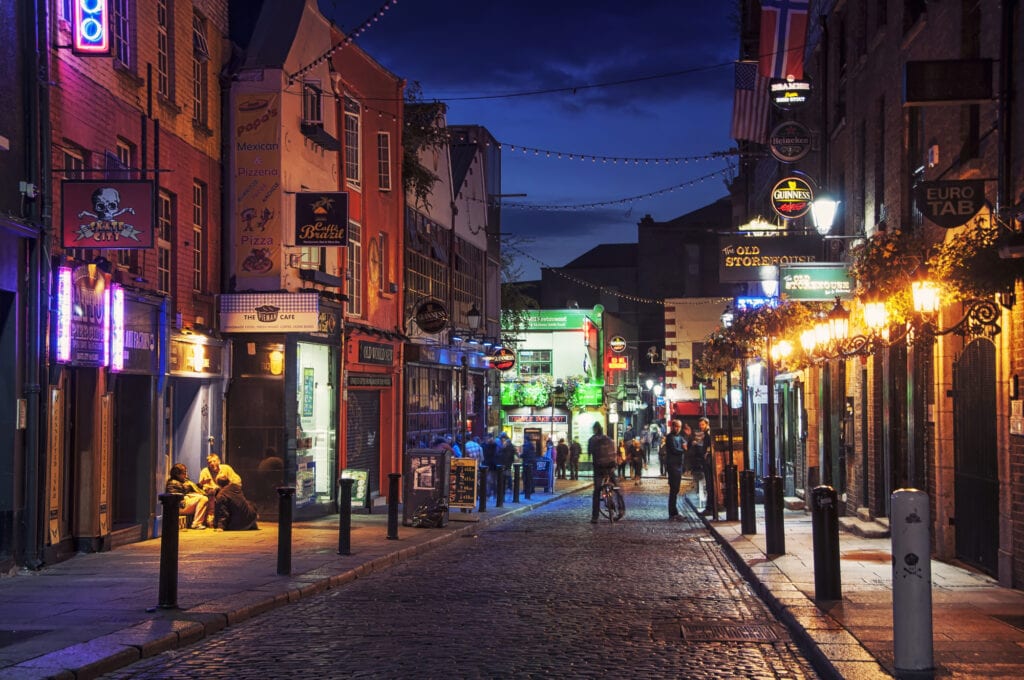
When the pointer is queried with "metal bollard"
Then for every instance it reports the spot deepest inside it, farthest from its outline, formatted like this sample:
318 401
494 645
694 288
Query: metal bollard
515 481
499 488
731 507
345 517
825 535
774 505
393 478
483 488
748 514
285 494
909 522
168 592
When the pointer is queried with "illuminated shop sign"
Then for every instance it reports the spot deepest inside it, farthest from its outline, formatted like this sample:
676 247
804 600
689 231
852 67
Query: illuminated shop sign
791 197
745 258
117 329
788 94
618 363
822 281
83 316
107 214
90 32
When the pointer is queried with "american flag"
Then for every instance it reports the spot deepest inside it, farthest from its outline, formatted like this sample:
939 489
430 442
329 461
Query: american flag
750 105
783 37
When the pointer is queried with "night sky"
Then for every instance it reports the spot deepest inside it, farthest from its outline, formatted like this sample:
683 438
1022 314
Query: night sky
676 57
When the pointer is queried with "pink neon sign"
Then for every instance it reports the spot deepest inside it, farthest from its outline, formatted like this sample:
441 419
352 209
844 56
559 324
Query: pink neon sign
90 33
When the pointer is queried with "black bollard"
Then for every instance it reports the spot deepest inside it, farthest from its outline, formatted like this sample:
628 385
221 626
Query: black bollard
483 488
515 482
345 517
499 488
285 494
168 593
774 505
748 515
825 533
731 509
393 478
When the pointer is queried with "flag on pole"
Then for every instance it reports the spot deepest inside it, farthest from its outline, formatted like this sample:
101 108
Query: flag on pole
783 37
750 104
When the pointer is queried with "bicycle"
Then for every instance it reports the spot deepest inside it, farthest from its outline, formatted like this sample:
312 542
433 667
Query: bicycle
613 505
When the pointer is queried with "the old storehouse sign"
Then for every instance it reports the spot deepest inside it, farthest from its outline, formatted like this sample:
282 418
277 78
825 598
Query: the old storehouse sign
950 203
792 197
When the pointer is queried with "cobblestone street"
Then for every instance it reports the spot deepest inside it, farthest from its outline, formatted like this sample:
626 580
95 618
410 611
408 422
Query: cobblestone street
546 594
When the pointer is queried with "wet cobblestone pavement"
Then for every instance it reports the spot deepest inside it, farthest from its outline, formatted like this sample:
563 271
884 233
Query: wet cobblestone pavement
545 594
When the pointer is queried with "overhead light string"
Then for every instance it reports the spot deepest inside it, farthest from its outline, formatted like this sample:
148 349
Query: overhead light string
350 38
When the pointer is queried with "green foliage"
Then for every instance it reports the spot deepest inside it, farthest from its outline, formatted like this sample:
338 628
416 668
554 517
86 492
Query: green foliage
969 265
514 301
884 265
424 129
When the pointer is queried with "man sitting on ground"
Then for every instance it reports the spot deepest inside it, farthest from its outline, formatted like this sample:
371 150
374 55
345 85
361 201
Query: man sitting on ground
233 511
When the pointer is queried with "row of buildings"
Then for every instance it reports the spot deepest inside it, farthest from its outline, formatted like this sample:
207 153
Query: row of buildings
909 114
206 245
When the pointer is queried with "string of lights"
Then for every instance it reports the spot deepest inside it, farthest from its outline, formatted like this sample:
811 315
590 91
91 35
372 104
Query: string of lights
350 38
618 201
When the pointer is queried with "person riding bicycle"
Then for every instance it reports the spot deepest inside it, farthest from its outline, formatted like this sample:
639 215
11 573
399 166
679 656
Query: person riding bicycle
603 453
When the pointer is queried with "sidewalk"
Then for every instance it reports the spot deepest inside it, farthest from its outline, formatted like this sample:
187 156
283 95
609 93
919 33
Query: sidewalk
95 613
977 626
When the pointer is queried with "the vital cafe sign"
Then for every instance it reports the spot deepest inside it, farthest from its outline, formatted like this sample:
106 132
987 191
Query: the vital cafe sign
90 33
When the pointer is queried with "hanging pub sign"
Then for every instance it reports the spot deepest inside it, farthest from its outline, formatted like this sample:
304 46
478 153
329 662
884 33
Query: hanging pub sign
950 203
789 141
321 219
821 281
744 258
791 197
789 94
431 316
107 214
90 33
503 359
617 344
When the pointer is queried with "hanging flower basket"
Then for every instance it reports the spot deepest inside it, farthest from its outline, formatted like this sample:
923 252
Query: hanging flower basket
969 265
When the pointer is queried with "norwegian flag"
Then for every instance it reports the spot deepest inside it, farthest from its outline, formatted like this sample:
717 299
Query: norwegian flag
783 37
750 104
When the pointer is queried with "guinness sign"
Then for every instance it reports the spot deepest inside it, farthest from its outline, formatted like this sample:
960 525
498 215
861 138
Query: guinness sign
792 197
503 359
431 316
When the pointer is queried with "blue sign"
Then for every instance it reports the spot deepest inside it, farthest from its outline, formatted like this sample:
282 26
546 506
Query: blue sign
90 32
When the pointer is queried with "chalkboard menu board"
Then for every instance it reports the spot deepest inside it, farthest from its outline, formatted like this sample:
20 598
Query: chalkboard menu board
425 473
462 486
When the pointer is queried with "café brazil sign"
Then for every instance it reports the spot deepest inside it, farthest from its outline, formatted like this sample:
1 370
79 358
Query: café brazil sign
321 219
950 203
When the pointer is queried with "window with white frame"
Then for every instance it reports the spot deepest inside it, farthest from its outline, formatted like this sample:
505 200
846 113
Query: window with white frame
198 236
164 39
534 362
74 164
121 32
355 269
312 257
312 103
164 228
384 161
200 69
352 171
125 152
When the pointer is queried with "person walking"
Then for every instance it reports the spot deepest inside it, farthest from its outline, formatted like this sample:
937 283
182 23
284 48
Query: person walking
656 440
561 458
702 458
675 449
602 452
528 456
575 451
506 458
636 460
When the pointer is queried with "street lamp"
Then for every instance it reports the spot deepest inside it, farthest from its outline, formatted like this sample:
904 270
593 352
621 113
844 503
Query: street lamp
775 539
823 213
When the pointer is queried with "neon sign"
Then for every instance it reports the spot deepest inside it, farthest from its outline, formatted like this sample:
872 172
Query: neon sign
117 330
90 35
64 314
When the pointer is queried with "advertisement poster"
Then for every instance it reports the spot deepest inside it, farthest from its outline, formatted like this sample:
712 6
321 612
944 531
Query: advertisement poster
256 171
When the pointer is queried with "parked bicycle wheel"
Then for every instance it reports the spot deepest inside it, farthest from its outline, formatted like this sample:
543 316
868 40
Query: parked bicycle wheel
613 506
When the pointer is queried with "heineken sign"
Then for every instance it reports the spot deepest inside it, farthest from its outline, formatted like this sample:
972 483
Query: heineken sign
950 203
789 141
791 197
809 282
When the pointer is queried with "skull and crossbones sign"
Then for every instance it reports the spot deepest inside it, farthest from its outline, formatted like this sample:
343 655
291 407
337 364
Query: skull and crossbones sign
106 208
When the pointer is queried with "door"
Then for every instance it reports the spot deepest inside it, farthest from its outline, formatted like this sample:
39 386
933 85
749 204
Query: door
976 488
363 436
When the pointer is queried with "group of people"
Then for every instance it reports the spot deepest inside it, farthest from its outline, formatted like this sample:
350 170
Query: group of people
217 501
681 449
